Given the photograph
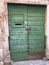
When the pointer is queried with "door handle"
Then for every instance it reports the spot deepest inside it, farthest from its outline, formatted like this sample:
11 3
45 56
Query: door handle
28 28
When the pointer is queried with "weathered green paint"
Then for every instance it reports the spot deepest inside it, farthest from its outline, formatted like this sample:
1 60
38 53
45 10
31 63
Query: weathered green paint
36 17
26 28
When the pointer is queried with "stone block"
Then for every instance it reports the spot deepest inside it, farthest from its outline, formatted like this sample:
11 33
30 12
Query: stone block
1 63
1 55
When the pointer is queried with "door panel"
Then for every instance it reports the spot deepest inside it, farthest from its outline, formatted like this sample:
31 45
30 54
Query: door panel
19 56
18 34
27 31
36 31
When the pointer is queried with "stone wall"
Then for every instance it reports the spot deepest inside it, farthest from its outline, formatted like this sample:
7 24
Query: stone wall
29 1
4 31
47 33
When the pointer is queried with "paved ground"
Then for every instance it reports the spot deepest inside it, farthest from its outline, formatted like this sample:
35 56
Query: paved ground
31 62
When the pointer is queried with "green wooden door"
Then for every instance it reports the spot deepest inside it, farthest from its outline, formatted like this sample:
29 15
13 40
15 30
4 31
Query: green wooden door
26 29
18 34
36 32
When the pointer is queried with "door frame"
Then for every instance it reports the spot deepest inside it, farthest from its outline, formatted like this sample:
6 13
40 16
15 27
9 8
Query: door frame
46 20
32 5
37 54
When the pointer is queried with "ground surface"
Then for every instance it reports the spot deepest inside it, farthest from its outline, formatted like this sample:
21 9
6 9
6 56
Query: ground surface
31 62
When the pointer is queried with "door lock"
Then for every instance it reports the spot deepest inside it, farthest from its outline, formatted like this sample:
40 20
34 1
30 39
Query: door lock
28 28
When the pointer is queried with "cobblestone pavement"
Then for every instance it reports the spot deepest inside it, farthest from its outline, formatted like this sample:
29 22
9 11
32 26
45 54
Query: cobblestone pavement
31 62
